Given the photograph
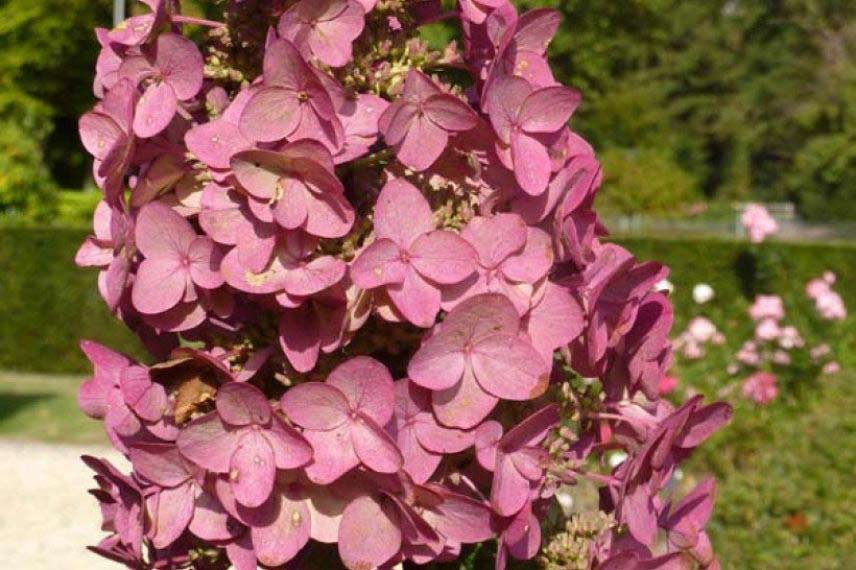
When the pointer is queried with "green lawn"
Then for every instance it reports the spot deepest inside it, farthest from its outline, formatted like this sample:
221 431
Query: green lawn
44 407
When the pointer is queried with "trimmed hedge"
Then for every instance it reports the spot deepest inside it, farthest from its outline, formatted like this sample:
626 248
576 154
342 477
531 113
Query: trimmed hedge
48 303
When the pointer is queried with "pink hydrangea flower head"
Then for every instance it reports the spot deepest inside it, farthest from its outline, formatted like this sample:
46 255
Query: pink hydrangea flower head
179 500
107 133
293 102
170 73
477 358
419 123
245 440
423 441
320 207
409 258
517 458
111 249
513 259
177 261
344 418
324 29
524 117
296 188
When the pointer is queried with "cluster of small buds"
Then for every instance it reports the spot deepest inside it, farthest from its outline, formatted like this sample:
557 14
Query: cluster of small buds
386 323
571 549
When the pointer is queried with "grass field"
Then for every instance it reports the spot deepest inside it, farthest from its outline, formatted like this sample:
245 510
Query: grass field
44 407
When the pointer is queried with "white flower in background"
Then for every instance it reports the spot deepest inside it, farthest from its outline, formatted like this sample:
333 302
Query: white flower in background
617 459
565 500
702 293
665 286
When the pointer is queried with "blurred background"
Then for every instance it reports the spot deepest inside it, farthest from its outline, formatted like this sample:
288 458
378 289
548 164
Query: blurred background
696 108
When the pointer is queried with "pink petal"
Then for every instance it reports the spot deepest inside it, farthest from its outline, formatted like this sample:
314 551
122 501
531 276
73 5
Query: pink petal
443 257
422 145
532 165
418 300
401 213
290 448
509 368
523 537
534 261
464 405
215 143
300 337
241 554
557 320
530 462
487 438
369 534
180 63
395 121
272 114
330 215
326 512
159 286
368 386
260 172
438 364
252 470
292 208
495 238
319 274
210 519
241 404
510 489
316 406
155 110
419 463
334 455
549 109
205 263
159 463
461 519
379 264
172 514
161 232
450 113
504 102
148 400
206 442
99 134
92 398
374 447
285 535
533 430
93 254
440 439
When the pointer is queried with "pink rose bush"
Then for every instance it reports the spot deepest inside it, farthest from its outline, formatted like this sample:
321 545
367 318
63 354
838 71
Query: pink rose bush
829 304
385 329
758 223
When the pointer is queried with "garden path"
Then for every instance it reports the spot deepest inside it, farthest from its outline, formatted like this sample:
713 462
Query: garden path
47 517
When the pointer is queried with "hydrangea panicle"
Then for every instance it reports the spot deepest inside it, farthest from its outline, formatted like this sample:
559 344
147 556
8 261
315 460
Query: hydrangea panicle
384 321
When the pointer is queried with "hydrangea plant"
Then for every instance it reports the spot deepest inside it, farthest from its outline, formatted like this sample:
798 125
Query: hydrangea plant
386 329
